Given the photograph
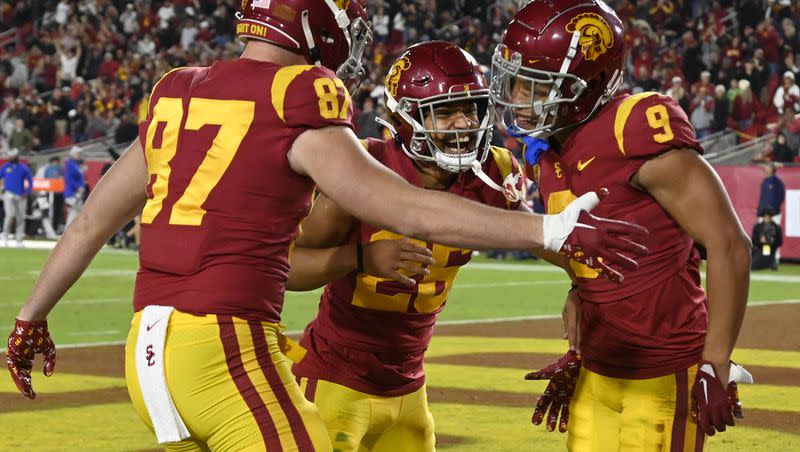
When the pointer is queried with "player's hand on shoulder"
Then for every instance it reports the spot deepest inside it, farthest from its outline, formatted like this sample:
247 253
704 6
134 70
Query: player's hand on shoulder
28 339
595 241
554 401
399 260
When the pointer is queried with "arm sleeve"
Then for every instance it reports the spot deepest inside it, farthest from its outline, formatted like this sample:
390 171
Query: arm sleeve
778 99
649 124
310 97
29 178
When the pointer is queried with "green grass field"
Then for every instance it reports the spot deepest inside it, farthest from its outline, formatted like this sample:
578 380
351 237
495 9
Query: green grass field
98 310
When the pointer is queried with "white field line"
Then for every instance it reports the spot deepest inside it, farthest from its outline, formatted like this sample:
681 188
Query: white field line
554 269
751 304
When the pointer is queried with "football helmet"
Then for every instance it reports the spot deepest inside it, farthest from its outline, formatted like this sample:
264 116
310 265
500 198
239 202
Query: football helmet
432 75
331 33
559 61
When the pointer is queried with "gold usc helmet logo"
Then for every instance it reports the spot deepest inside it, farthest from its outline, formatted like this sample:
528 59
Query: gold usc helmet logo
596 37
393 79
343 4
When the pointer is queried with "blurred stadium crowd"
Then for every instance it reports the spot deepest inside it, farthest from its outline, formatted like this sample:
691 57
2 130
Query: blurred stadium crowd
71 70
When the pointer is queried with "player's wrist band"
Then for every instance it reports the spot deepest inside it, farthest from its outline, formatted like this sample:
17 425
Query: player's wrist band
359 258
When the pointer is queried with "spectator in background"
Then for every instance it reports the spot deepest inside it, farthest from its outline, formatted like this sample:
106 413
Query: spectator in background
380 25
770 41
705 82
679 94
21 138
17 182
74 184
108 68
53 206
745 107
68 60
772 194
127 130
367 127
722 108
702 112
781 151
767 240
788 64
789 126
787 94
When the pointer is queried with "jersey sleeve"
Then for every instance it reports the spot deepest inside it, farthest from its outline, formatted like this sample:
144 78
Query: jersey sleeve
649 124
311 97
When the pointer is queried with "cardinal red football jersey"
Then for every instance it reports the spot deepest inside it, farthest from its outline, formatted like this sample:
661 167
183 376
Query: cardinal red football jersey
655 321
382 328
223 202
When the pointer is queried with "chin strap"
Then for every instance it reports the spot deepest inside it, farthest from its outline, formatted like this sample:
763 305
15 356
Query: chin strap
508 189
313 50
386 124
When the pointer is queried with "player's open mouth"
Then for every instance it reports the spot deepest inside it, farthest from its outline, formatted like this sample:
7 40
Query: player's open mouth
459 145
525 122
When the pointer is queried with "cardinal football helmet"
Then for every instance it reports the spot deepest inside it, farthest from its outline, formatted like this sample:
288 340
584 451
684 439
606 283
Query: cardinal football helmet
568 55
331 33
432 75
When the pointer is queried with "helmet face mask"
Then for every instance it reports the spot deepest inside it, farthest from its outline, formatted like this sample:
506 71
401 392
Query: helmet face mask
450 130
330 33
558 63
529 100
359 34
439 102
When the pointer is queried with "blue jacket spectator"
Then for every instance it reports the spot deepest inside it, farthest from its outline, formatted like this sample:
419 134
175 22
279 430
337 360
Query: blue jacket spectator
773 192
73 175
14 175
53 170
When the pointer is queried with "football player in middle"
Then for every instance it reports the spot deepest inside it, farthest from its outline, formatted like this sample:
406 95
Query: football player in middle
360 359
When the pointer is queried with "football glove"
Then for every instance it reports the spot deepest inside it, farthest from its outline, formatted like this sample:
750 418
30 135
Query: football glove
28 339
594 241
563 376
715 405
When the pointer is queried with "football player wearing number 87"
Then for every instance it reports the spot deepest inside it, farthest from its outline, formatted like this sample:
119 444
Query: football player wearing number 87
655 350
222 173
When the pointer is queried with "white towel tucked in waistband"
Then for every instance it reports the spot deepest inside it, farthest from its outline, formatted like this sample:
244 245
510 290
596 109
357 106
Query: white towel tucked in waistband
167 422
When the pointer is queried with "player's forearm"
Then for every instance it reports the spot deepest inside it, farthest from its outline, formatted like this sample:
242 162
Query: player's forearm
116 199
559 260
376 195
66 263
728 282
463 223
313 268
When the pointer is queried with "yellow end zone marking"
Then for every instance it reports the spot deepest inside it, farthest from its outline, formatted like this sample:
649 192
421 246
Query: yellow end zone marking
765 397
461 345
64 382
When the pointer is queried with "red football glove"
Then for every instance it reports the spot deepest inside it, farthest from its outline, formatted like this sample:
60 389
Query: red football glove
563 376
712 405
28 339
594 241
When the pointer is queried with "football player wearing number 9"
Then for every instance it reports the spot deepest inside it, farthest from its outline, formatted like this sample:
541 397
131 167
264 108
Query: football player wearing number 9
222 174
655 349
